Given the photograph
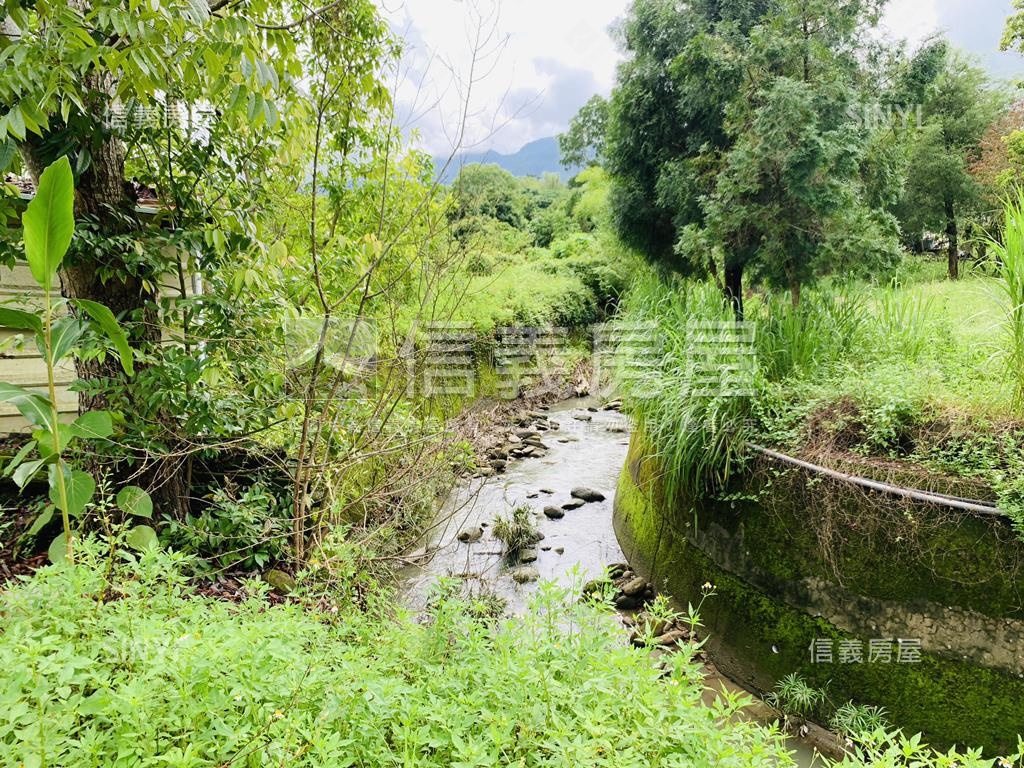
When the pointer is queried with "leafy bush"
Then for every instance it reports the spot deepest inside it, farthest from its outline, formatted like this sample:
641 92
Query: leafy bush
245 528
153 677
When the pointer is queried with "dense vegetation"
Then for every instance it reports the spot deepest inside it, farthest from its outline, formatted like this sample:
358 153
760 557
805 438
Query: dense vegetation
816 181
153 671
251 262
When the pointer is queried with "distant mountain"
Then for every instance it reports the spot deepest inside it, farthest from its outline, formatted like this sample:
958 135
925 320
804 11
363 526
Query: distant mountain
535 159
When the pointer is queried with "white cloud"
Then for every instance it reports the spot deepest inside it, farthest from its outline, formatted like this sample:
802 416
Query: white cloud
545 60
548 57
910 20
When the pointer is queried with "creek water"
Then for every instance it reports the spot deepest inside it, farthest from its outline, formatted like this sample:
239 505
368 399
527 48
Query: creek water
588 450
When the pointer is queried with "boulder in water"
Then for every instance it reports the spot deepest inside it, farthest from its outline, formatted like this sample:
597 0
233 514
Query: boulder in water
587 495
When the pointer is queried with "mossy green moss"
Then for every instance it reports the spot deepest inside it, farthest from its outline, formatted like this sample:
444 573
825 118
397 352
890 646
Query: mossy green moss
758 639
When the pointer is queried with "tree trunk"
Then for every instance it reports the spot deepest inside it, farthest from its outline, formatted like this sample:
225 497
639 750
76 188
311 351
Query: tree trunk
953 235
734 290
794 292
103 202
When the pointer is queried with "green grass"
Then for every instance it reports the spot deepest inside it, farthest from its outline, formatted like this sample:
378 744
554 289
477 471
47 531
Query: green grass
905 370
152 676
572 284
698 435
1010 255
517 530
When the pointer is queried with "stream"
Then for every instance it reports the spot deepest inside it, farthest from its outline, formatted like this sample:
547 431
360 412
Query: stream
588 450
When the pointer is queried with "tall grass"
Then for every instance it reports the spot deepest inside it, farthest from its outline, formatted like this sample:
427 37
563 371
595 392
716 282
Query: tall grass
698 432
800 340
1010 257
903 319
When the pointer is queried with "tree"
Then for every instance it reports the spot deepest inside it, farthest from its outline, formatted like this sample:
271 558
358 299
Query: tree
694 177
1013 33
999 167
798 183
490 191
199 95
583 143
959 105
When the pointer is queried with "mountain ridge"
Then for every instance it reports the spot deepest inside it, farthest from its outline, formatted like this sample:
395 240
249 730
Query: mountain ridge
533 159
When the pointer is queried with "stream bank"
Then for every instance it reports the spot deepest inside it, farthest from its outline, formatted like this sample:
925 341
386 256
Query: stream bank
582 446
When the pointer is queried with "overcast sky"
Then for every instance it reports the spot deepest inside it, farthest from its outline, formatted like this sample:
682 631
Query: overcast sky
539 61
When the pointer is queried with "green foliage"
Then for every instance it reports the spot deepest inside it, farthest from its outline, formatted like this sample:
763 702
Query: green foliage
517 530
911 371
1010 254
574 275
801 340
492 192
48 225
244 528
851 719
583 143
1013 33
698 428
793 696
892 749
155 674
958 105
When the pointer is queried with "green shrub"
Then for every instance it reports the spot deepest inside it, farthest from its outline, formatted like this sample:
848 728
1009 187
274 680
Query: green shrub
152 677
245 528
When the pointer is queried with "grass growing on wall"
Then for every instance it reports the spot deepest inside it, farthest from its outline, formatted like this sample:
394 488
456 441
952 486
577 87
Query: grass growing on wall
914 371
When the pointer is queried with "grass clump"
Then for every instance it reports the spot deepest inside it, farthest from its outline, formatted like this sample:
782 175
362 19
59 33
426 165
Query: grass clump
517 530
1010 260
151 676
695 421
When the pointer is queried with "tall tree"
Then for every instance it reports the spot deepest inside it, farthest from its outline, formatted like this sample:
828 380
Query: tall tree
941 194
116 87
666 125
798 191
583 143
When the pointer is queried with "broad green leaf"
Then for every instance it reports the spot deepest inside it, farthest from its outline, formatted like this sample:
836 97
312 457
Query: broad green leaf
94 425
63 336
8 149
34 407
106 320
49 222
142 537
17 320
198 11
16 122
44 437
135 501
42 521
79 487
58 549
19 457
24 473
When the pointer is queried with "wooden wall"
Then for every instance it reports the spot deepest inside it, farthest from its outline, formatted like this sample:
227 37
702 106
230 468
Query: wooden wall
21 363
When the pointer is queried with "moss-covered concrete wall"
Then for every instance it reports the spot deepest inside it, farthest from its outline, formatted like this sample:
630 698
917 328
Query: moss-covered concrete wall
946 582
